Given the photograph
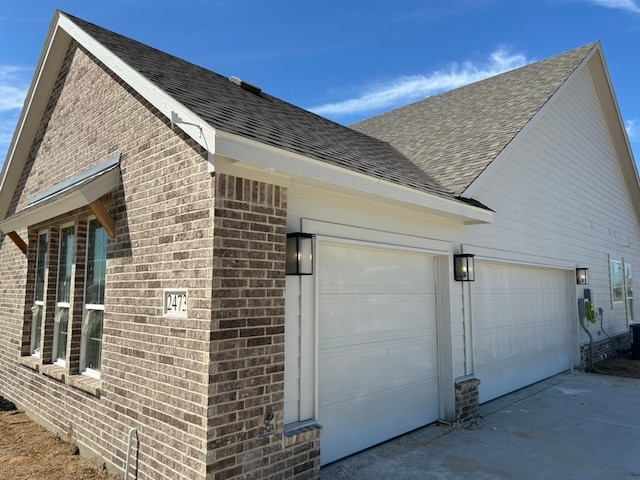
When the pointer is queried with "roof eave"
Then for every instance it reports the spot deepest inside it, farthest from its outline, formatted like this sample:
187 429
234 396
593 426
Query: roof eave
304 169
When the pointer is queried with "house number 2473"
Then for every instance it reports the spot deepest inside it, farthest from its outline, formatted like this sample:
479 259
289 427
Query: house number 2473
175 303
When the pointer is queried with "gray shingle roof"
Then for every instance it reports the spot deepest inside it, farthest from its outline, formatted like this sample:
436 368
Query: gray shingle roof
455 135
227 107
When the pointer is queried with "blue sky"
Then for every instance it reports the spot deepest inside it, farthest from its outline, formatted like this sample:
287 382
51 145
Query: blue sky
346 60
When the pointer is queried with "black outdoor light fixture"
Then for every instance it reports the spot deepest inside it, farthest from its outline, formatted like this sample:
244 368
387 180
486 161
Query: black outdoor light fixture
463 268
582 276
299 253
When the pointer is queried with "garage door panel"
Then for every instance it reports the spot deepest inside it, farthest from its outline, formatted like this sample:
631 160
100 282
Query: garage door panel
517 378
377 345
350 373
398 316
497 344
520 326
353 266
344 423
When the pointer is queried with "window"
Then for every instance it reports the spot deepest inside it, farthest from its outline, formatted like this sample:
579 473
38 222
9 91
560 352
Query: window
617 290
628 282
42 257
96 269
63 296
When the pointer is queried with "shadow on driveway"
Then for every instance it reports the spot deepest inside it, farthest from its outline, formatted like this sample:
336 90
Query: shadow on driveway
574 425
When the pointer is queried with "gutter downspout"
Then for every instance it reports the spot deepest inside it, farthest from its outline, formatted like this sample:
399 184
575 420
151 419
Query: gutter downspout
582 314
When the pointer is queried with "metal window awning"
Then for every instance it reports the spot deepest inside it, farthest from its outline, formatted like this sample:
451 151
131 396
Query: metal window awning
82 189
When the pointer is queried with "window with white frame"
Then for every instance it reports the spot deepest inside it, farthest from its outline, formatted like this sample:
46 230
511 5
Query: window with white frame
96 269
42 257
617 282
63 294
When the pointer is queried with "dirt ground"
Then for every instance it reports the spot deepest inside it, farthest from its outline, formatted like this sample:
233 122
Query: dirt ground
621 367
28 451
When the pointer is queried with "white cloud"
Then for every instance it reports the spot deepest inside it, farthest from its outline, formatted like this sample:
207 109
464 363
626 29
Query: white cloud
629 5
405 89
14 83
633 130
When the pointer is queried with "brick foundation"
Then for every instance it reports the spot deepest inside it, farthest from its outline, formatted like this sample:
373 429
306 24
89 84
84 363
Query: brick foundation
605 348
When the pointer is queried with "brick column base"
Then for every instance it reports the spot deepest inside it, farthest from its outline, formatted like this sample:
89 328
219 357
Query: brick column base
467 400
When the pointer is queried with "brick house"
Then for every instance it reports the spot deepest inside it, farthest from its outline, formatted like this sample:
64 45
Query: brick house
149 211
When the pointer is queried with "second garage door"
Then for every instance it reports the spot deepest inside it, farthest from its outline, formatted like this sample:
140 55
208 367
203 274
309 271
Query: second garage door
377 345
520 326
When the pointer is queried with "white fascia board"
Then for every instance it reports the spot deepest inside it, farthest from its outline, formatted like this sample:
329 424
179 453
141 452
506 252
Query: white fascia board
297 166
65 203
472 190
34 105
193 125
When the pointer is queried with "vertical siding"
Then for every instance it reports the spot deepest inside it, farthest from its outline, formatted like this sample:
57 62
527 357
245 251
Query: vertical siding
560 196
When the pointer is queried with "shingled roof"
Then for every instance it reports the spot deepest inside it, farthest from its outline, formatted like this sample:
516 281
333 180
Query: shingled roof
262 117
455 135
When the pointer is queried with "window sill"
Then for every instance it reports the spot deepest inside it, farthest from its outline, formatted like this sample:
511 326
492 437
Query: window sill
299 432
86 384
31 362
54 371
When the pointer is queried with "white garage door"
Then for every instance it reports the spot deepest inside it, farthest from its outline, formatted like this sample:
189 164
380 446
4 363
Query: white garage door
520 326
378 375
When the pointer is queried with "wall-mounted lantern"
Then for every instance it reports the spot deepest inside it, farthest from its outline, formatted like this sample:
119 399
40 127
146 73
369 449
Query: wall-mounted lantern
299 254
582 276
463 267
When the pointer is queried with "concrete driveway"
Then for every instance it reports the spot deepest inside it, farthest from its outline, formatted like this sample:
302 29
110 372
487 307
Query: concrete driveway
574 425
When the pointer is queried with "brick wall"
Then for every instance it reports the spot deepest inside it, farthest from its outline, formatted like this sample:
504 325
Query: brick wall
605 348
245 434
155 370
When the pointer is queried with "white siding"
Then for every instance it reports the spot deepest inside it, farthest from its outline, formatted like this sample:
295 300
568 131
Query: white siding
560 197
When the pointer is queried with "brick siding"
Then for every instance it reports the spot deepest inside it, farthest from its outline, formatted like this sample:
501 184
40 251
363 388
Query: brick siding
155 370
245 435
205 393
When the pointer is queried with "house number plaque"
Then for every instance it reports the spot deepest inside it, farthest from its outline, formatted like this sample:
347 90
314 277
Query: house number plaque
175 303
